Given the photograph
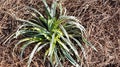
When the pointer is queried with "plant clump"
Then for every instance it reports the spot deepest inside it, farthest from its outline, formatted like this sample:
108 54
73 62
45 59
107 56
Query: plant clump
55 30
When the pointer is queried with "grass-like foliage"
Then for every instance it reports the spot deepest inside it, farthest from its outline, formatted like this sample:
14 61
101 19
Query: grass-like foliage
58 33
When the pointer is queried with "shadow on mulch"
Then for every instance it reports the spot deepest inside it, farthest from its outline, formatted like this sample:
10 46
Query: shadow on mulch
99 17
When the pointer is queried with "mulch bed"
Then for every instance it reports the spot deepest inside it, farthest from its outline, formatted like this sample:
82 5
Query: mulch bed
101 18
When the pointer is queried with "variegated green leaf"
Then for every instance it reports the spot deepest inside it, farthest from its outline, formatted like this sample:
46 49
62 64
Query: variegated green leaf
32 53
25 46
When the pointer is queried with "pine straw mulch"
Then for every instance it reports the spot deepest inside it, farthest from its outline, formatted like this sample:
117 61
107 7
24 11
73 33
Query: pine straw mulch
100 18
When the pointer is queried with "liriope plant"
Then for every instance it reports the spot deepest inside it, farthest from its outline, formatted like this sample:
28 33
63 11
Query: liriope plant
60 33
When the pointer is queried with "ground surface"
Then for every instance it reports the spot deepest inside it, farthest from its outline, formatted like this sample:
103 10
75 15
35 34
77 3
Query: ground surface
101 19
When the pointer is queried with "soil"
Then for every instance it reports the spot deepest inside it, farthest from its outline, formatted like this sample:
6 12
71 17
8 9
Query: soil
101 18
